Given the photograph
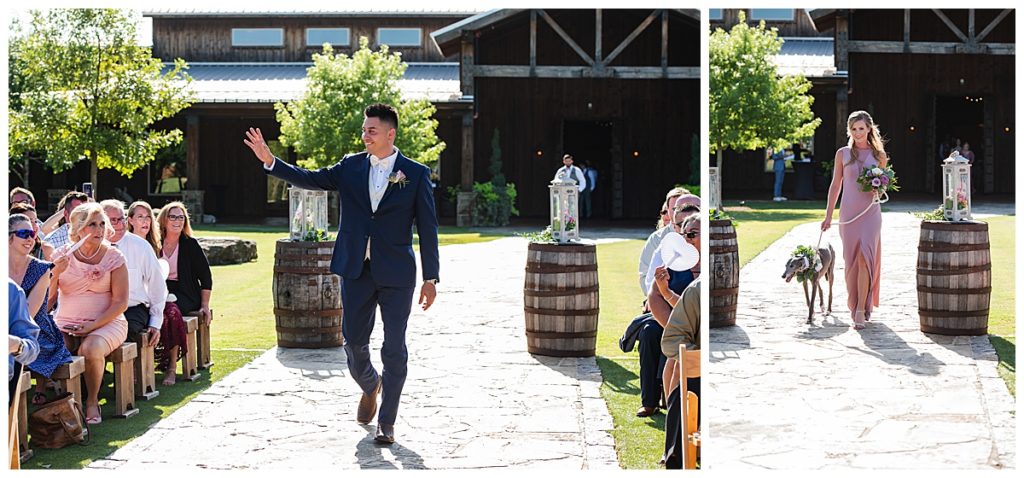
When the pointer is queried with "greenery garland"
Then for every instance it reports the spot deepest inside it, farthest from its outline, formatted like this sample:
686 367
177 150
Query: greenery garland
807 252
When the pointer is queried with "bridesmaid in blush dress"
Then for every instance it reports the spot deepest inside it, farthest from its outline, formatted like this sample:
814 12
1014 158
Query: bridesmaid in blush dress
860 218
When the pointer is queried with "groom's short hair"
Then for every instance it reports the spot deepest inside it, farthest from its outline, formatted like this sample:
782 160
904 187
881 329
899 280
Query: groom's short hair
383 112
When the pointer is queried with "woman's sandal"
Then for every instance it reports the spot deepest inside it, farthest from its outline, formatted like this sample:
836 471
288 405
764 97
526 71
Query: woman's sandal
97 419
39 398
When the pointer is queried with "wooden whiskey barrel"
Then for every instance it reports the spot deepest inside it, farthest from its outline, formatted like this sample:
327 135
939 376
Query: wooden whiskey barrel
725 273
560 298
954 277
307 296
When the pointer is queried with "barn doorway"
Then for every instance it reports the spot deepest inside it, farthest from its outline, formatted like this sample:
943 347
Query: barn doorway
958 120
593 142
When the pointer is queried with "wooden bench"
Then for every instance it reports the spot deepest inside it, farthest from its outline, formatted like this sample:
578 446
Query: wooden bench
203 357
145 369
69 378
13 425
123 358
689 367
190 364
24 387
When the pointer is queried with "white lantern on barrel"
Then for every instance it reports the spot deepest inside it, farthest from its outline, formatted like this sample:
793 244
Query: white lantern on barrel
308 213
565 223
956 188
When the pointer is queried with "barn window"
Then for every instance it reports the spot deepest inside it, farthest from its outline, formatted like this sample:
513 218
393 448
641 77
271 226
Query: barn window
257 37
714 13
334 36
773 14
400 36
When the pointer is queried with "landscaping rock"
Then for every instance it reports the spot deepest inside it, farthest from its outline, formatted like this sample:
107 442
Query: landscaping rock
227 250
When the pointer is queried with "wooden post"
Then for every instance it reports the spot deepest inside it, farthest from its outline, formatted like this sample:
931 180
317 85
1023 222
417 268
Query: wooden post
123 359
203 357
533 42
145 369
192 151
189 366
24 386
69 378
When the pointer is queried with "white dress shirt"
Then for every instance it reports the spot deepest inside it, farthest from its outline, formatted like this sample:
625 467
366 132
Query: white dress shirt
145 279
379 174
574 173
647 255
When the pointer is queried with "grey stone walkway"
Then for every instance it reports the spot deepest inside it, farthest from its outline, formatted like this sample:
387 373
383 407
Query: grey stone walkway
784 394
474 397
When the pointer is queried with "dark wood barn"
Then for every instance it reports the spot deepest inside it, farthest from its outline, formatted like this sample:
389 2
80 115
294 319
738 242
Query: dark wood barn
926 76
617 88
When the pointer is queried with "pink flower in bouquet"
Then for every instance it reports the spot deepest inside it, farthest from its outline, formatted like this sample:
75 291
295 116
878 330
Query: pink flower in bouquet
876 182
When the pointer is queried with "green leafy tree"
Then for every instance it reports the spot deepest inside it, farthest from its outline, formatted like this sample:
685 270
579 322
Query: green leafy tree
325 123
751 106
87 90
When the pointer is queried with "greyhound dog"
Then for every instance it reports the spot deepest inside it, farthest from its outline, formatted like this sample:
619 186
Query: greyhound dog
801 265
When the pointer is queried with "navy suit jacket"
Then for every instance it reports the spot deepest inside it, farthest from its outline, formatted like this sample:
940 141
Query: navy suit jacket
393 263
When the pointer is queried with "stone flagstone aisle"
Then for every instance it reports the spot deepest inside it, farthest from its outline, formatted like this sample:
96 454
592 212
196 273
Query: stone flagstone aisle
474 397
785 394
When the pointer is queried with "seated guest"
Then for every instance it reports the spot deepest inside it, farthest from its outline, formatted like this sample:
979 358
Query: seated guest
58 236
93 297
660 300
190 279
34 277
141 222
683 328
21 195
672 199
22 337
41 250
147 291
690 229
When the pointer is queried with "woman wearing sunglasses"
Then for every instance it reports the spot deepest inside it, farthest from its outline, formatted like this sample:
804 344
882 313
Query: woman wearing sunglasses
93 296
140 222
34 277
189 280
42 250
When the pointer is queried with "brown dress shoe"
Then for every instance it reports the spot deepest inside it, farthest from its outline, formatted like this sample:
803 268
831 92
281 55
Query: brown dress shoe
644 412
368 405
385 434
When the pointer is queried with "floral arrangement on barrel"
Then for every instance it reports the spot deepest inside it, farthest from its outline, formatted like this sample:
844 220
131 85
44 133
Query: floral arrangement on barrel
878 180
961 200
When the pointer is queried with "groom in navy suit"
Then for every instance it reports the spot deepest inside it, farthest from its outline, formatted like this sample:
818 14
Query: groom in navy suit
383 194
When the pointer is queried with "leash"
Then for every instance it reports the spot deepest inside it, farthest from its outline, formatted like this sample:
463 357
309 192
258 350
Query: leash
879 200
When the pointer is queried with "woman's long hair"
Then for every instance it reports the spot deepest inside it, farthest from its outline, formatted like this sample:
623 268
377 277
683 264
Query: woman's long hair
875 141
153 236
166 210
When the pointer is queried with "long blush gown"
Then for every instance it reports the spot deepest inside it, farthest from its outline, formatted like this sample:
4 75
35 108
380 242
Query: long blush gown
862 237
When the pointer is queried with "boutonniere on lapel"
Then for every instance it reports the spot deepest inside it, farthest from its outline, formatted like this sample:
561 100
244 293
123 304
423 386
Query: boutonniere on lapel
398 178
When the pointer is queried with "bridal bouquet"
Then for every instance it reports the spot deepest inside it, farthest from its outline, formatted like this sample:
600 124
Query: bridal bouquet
878 180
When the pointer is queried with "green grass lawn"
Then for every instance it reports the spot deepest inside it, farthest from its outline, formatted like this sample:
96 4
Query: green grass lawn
243 328
639 442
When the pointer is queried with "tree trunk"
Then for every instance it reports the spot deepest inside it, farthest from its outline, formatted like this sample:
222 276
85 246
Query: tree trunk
719 153
93 173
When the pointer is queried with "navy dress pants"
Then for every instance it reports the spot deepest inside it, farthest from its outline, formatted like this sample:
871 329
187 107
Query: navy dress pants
360 298
652 362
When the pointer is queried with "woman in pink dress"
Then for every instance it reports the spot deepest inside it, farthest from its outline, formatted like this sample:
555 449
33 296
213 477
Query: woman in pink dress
860 218
93 297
